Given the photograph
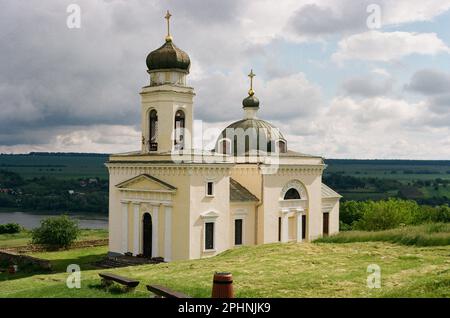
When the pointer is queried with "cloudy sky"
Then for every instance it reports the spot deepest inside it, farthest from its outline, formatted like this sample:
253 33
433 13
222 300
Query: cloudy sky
334 86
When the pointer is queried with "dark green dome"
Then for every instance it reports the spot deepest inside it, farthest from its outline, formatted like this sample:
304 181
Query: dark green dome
250 101
168 56
266 134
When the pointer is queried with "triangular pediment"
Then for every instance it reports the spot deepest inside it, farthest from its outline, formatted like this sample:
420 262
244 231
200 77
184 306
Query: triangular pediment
145 182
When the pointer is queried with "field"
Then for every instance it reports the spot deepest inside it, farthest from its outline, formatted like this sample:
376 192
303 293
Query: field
273 270
427 181
23 238
403 170
61 166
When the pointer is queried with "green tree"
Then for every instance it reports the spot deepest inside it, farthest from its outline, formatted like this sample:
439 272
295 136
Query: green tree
60 231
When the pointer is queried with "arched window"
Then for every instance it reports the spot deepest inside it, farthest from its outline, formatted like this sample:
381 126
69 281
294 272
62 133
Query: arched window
225 146
292 194
281 146
153 133
179 130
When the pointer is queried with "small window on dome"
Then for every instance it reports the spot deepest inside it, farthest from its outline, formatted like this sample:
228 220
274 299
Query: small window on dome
281 146
225 146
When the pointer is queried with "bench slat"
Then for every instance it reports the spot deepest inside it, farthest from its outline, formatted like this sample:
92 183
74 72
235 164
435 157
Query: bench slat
165 292
119 279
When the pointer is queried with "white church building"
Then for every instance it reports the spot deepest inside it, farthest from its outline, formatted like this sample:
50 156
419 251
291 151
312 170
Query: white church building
171 201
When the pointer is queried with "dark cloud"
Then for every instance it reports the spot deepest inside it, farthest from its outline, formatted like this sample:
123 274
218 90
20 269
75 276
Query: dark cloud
429 82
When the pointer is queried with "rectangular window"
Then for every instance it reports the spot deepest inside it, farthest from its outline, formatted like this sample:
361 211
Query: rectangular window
303 227
238 232
209 236
326 219
279 229
210 189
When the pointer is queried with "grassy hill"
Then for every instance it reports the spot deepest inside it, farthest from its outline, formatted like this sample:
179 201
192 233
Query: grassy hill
273 270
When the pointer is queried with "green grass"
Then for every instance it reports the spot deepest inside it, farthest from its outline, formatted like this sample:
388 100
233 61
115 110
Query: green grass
434 234
24 237
272 270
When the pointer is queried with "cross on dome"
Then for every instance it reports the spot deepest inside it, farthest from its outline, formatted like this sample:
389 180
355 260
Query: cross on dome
251 92
167 17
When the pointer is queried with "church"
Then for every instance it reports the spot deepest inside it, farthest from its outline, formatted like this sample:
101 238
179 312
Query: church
170 201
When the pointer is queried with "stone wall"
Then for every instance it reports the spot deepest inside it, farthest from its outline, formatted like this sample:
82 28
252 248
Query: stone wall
24 260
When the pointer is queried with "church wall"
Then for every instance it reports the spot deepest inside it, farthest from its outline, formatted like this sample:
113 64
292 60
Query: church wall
245 211
249 176
201 205
273 185
180 211
114 218
334 214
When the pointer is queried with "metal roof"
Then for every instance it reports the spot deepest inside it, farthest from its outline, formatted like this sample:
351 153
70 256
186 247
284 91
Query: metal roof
238 193
327 192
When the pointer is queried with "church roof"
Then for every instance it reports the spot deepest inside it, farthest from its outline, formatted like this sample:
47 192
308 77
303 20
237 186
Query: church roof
238 193
327 192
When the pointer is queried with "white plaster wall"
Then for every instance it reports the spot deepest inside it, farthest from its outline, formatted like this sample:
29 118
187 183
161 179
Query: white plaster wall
201 204
273 185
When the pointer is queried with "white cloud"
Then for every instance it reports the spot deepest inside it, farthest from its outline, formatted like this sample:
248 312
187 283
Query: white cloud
388 46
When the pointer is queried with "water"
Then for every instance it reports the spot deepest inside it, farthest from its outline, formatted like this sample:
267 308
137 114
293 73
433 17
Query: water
30 220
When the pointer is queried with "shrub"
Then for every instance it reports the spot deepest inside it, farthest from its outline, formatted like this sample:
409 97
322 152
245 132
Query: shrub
10 228
58 231
350 212
383 215
432 214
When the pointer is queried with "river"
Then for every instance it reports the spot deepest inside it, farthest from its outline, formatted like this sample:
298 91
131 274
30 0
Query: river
30 220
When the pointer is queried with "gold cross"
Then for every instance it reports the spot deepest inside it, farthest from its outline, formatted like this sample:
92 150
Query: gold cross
251 75
167 17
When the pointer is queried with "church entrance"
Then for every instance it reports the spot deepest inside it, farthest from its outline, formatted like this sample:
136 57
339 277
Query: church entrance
147 237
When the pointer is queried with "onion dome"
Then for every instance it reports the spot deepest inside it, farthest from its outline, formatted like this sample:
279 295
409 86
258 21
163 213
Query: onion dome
250 101
168 56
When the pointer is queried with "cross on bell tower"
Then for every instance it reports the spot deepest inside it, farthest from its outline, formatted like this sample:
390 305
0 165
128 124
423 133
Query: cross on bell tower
167 17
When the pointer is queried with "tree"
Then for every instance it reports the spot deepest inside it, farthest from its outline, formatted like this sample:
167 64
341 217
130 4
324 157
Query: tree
60 231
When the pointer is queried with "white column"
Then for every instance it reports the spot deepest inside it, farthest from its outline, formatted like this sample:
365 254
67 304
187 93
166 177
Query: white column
155 241
284 226
299 225
168 233
124 227
136 227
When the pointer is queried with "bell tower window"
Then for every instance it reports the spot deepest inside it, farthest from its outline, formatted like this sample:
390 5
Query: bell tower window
153 133
179 130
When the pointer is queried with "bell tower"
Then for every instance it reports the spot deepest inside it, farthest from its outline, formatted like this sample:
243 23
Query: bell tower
167 102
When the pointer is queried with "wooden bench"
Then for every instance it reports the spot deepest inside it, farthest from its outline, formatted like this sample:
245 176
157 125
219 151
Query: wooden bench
108 279
164 292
